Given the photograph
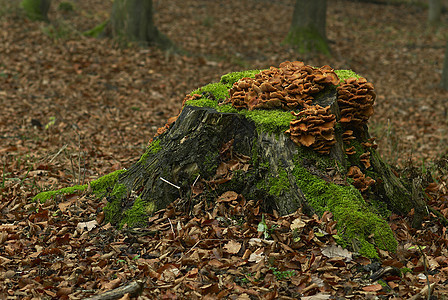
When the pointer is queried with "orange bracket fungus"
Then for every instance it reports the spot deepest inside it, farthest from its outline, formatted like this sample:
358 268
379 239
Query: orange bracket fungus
297 87
360 181
314 127
291 86
355 100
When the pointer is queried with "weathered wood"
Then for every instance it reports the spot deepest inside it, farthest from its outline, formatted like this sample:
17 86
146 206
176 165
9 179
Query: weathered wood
133 288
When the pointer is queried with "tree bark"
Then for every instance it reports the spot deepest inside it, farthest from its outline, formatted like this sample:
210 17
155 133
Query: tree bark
308 27
36 9
444 81
133 20
434 12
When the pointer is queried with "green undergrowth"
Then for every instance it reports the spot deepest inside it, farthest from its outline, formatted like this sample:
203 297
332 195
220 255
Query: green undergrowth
99 187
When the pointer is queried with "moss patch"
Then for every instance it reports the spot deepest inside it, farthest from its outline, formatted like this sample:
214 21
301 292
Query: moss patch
218 90
137 215
97 30
99 187
44 196
153 148
231 78
36 9
361 228
307 40
113 208
279 184
344 74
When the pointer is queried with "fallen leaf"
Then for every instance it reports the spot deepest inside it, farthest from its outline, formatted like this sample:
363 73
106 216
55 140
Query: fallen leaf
372 288
89 225
232 247
297 224
337 251
257 256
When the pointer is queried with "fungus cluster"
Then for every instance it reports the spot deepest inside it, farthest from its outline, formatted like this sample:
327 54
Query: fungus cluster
360 181
314 127
288 87
355 99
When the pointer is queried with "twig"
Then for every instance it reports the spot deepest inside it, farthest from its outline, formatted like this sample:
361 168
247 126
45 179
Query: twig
59 152
426 273
424 291
196 179
133 288
172 228
172 184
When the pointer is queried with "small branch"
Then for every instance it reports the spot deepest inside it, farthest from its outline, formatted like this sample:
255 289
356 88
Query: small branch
423 292
196 179
172 228
172 184
59 152
133 288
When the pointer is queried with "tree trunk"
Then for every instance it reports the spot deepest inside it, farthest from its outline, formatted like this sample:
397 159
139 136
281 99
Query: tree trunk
444 82
133 20
36 9
434 12
217 150
308 27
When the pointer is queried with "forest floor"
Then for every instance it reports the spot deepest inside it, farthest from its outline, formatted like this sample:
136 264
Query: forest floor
75 108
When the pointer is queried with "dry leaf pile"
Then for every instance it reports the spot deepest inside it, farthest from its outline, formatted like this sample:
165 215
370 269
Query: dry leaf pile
75 108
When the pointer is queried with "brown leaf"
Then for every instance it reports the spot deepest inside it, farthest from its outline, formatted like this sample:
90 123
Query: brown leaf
373 288
232 247
228 197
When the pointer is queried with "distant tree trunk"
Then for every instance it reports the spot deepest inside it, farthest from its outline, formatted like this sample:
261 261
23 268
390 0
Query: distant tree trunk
444 82
36 9
133 20
307 31
434 11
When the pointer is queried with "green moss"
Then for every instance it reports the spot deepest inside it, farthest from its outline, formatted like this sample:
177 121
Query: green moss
66 6
137 215
344 74
272 121
204 102
113 208
219 90
44 196
279 184
231 78
307 40
97 30
152 149
36 9
356 222
99 187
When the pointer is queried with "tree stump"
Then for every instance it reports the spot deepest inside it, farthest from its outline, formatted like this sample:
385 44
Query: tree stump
215 148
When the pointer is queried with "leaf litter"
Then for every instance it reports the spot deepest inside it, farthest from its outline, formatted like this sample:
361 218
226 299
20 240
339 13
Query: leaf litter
75 108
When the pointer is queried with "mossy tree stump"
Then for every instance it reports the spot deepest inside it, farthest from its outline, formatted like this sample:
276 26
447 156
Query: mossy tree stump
213 148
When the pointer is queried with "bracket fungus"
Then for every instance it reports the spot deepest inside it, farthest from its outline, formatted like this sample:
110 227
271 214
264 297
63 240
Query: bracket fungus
291 86
355 100
360 181
314 127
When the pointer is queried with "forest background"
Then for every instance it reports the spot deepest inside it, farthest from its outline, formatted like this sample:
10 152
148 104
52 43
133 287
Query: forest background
75 108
